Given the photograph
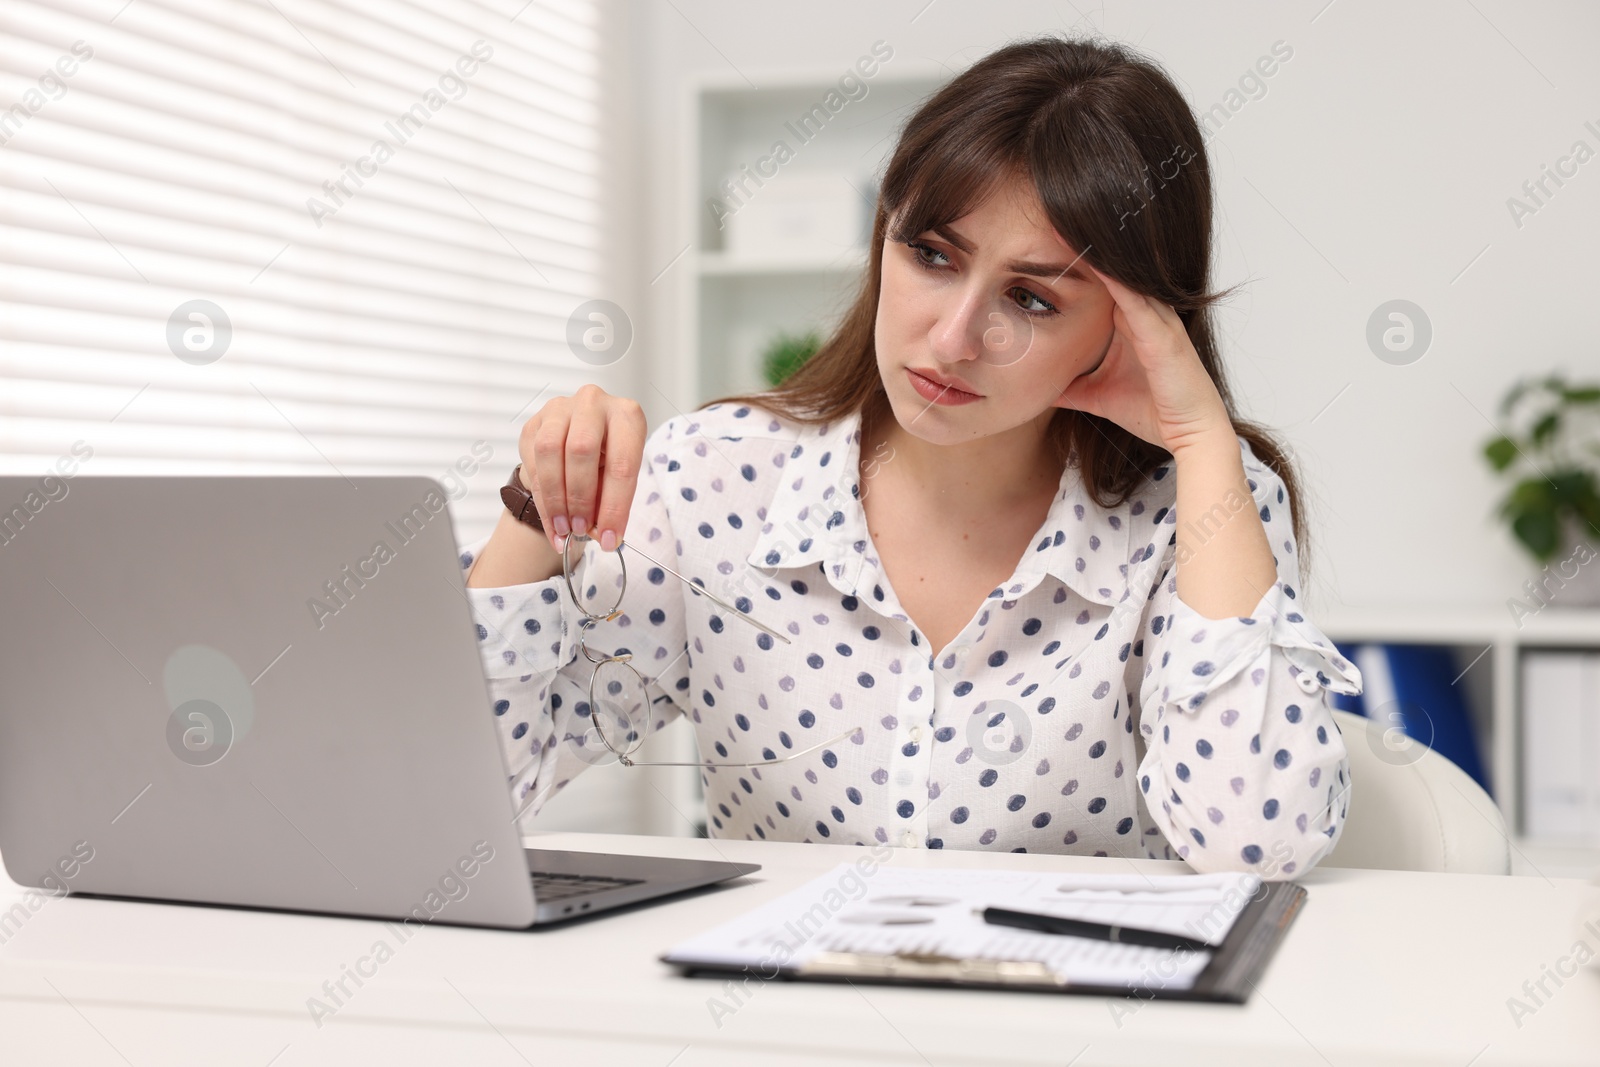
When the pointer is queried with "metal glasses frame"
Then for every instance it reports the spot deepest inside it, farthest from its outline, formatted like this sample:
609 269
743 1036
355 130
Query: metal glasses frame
599 660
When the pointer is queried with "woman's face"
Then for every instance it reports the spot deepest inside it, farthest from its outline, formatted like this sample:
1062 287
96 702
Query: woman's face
997 310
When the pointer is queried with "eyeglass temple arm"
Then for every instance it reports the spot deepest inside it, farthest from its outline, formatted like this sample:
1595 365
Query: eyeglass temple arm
702 591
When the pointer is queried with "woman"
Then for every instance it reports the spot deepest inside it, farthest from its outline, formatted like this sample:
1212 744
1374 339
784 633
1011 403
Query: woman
962 516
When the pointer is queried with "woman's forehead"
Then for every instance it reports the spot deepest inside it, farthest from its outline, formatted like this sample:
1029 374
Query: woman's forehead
1010 223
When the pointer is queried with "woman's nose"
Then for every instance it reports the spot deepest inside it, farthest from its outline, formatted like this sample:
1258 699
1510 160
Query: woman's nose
958 335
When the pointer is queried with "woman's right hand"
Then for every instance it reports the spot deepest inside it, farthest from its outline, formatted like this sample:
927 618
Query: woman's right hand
581 457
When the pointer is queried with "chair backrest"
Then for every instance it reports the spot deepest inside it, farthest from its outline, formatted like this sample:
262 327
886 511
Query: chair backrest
1412 809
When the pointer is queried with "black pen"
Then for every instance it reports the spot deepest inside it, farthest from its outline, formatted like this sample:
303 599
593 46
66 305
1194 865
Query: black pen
1124 935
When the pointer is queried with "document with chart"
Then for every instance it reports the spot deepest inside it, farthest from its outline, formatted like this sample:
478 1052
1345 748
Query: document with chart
928 926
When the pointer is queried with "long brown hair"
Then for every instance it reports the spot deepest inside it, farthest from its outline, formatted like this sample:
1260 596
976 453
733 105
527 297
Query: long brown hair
1116 157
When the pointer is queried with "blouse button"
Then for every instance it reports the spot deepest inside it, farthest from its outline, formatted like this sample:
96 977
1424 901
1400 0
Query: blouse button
910 839
1307 681
916 733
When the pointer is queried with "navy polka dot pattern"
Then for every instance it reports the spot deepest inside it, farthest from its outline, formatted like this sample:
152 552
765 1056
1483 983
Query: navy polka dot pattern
1084 708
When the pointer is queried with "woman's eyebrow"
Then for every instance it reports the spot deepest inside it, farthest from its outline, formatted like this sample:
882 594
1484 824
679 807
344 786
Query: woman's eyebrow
1053 271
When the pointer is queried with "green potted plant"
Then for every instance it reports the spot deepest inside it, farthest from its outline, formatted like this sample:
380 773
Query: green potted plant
786 352
1551 452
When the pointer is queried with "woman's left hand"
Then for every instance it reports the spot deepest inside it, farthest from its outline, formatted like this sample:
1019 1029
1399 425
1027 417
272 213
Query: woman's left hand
1151 381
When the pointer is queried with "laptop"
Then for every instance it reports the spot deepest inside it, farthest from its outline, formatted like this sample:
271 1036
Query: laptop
266 692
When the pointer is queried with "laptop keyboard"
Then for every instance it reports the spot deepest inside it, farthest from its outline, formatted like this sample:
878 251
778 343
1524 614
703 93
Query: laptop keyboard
548 886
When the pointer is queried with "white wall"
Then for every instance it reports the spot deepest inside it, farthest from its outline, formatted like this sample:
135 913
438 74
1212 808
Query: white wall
1376 166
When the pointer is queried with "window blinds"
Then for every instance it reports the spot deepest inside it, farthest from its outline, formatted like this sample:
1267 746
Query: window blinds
293 236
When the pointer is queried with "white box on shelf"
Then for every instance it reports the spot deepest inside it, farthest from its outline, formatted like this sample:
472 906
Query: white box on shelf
804 213
1556 781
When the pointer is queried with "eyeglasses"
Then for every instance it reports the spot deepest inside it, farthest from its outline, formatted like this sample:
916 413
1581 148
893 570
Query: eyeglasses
619 703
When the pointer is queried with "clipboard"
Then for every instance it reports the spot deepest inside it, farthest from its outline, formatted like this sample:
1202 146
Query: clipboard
1235 966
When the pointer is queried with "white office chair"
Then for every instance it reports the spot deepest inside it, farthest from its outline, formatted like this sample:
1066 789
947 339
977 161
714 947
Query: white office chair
1412 809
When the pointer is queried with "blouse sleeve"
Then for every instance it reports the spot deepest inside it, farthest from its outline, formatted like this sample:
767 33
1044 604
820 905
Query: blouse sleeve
528 638
1245 768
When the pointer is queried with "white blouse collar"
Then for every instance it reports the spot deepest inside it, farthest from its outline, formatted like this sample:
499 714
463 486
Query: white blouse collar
816 517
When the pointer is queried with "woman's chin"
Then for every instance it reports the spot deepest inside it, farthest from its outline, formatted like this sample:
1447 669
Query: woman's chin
937 425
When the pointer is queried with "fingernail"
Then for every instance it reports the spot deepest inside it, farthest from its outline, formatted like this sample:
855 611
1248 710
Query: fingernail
608 540
560 524
579 524
561 542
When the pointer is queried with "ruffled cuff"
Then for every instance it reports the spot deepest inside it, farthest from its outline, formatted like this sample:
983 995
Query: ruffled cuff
521 629
1201 655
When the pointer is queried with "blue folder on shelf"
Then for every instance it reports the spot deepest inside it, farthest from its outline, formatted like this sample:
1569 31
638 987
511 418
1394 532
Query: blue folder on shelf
1431 708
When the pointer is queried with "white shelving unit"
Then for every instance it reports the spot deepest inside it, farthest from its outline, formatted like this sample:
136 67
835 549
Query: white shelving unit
736 302
1487 645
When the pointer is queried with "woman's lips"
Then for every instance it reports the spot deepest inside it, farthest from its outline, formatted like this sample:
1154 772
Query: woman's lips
935 393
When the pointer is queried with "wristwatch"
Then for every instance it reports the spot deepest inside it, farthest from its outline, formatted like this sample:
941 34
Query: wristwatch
519 501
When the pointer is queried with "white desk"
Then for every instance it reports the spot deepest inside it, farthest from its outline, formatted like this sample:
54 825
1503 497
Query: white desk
1381 968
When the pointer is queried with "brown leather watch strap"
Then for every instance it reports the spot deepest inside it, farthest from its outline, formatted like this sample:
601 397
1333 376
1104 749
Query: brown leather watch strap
519 501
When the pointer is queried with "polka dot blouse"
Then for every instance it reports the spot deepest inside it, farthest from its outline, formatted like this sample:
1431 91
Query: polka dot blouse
1084 708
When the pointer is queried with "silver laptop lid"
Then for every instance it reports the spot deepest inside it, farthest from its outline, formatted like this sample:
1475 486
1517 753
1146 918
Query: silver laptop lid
260 691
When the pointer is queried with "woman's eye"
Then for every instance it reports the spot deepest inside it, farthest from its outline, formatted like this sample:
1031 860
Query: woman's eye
1044 307
917 251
